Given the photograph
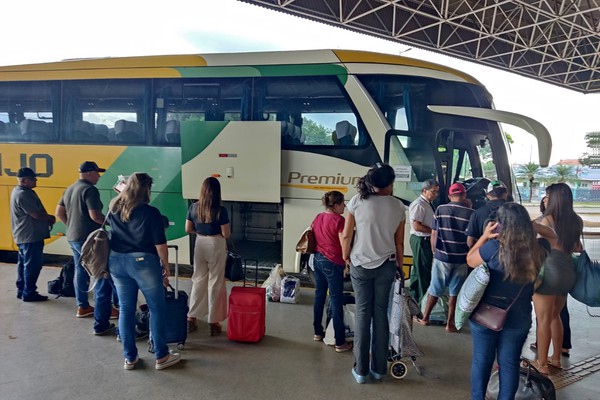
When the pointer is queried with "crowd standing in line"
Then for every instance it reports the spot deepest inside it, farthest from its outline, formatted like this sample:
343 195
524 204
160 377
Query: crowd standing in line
209 221
139 260
558 275
509 248
374 257
329 268
449 245
31 224
80 209
421 221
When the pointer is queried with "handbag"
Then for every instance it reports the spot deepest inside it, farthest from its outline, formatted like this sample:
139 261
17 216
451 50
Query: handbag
587 284
234 270
532 384
492 317
307 243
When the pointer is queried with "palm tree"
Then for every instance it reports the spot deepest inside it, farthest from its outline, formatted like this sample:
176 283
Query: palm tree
564 173
527 171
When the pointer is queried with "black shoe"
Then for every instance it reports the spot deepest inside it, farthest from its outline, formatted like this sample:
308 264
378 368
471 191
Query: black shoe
19 294
35 297
105 331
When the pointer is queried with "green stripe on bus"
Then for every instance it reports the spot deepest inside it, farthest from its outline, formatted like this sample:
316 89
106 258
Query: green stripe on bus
196 136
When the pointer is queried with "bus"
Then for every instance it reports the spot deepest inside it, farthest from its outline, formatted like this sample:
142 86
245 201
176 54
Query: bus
277 128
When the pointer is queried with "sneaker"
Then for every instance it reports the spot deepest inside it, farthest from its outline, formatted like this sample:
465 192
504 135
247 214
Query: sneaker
172 359
83 312
105 331
375 375
114 314
129 365
138 335
19 294
343 348
318 338
35 297
359 378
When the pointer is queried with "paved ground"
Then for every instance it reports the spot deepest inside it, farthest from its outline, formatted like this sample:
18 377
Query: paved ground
47 353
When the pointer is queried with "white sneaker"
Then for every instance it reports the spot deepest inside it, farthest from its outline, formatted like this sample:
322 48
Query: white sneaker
173 359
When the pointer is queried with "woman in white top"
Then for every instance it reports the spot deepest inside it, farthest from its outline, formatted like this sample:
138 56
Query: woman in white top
374 256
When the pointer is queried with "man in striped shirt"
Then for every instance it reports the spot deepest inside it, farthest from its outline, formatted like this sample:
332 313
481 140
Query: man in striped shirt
449 246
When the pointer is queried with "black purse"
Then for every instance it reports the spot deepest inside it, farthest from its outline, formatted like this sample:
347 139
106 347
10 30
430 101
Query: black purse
234 270
532 384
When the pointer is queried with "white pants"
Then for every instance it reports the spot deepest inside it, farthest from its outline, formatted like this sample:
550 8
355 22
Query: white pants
209 293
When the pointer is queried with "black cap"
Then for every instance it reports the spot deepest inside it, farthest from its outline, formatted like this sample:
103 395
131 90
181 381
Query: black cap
88 166
26 173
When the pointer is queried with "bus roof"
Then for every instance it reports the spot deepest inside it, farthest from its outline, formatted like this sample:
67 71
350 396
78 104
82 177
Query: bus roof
238 64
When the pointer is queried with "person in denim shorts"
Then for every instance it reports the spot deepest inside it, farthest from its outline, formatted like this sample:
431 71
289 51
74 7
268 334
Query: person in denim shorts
449 245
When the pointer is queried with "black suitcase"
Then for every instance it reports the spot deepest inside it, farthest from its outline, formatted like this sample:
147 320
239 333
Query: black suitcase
177 310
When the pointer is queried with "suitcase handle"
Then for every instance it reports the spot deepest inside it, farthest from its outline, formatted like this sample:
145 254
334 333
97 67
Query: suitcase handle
255 262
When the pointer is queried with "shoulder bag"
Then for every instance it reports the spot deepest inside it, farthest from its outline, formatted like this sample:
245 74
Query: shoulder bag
492 317
307 243
95 252
587 284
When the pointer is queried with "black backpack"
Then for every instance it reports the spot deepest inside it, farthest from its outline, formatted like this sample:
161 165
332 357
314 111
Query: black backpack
63 285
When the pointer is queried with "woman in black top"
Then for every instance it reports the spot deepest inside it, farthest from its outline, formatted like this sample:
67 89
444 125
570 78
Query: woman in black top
139 261
209 221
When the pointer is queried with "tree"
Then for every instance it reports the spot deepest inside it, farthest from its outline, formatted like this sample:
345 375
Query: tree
564 173
527 171
315 133
591 159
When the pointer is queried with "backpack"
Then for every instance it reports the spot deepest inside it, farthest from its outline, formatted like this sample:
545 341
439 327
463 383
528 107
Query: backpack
94 255
63 285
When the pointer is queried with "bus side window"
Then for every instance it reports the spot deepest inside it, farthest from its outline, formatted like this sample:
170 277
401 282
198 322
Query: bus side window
128 131
172 132
34 131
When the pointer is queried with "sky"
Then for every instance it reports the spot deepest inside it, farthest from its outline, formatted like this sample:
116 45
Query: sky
39 31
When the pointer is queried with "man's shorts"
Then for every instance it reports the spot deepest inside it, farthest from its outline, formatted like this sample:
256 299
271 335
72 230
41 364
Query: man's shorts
447 275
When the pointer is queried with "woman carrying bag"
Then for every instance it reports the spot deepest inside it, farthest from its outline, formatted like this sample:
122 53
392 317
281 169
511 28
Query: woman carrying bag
514 257
329 268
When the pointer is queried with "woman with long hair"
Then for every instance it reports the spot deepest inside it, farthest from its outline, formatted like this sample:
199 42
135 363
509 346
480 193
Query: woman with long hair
558 274
209 221
375 220
139 260
513 256
329 268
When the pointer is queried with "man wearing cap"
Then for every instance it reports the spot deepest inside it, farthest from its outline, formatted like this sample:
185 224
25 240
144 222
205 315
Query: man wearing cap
496 194
80 209
31 224
449 245
421 220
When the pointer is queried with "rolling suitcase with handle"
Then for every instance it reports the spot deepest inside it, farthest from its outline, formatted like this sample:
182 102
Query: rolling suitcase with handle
176 311
247 311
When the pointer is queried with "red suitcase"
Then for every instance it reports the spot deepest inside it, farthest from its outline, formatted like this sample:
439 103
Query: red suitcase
247 313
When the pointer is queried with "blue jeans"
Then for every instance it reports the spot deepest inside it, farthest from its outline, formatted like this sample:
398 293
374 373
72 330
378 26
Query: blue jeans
29 265
130 272
506 345
329 275
103 291
372 290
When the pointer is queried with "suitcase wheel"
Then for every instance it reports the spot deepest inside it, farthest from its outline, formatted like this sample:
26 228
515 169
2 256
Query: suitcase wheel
180 346
398 370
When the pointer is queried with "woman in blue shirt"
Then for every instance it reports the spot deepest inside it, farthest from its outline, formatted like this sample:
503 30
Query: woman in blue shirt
514 257
209 221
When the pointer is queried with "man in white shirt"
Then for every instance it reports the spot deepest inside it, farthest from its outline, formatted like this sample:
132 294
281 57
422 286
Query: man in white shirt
421 220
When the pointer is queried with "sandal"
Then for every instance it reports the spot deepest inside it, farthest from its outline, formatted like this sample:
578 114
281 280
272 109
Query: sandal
554 363
421 321
215 328
542 369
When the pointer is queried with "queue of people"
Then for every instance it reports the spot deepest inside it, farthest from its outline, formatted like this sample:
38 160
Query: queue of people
528 261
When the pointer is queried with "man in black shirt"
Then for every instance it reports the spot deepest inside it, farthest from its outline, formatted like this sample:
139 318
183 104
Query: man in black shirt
496 194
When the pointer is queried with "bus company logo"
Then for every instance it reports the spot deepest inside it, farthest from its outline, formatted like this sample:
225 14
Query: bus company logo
42 164
297 179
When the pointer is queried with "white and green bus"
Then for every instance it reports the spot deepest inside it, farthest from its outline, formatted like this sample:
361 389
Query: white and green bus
277 128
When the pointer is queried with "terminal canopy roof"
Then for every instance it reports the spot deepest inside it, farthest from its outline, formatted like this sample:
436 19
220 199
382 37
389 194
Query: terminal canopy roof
555 41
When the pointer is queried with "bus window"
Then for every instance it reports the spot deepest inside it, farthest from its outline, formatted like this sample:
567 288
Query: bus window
181 100
27 111
106 111
314 111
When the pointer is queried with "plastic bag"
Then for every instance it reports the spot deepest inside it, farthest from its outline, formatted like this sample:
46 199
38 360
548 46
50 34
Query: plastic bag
273 283
290 289
349 323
